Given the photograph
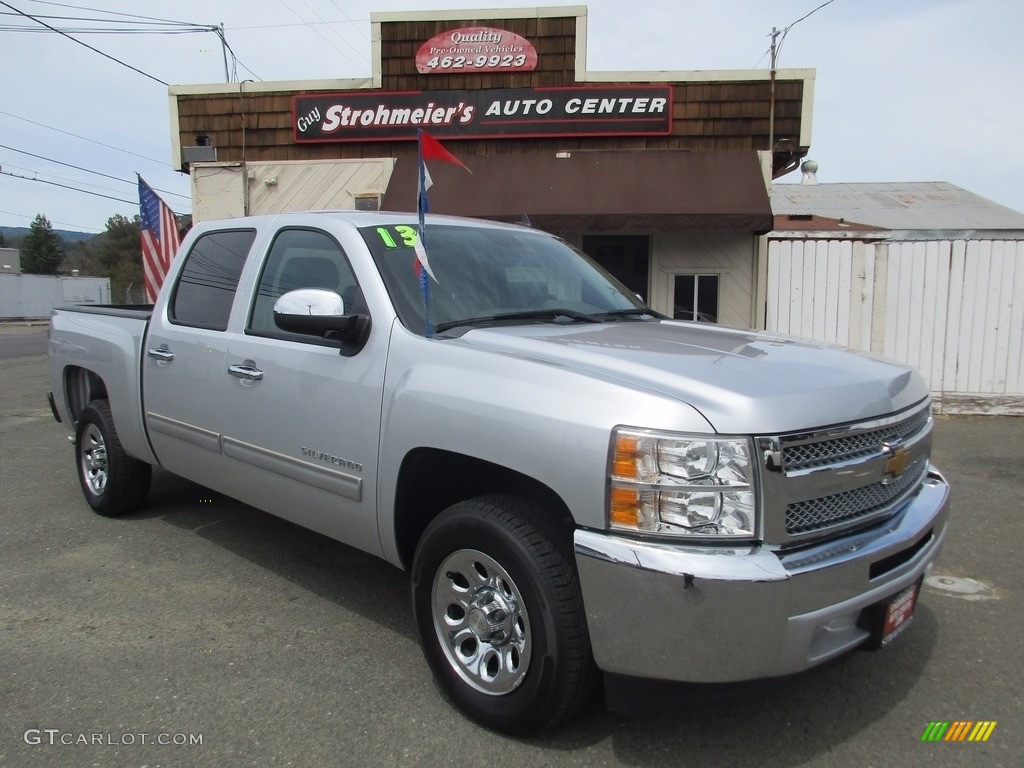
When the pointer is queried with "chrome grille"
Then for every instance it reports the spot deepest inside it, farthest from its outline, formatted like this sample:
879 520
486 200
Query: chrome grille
827 482
849 506
797 454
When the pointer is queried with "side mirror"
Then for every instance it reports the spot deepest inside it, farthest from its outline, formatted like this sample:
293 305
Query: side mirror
321 313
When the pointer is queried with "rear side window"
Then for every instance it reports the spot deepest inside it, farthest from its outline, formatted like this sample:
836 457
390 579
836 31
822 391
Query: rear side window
208 281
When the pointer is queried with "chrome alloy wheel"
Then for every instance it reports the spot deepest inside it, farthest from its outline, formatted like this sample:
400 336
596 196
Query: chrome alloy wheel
94 459
481 622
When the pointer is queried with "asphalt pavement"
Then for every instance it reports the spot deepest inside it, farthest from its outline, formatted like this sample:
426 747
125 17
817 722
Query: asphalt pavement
201 632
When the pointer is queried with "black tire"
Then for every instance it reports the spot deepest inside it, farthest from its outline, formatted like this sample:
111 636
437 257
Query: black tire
499 614
112 481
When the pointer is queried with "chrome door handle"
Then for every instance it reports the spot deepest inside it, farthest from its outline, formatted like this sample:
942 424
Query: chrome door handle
159 353
246 372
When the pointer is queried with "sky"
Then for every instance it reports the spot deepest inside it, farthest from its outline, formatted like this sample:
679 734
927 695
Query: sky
905 90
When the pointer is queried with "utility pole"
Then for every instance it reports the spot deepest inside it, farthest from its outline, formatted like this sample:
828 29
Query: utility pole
224 50
771 99
776 45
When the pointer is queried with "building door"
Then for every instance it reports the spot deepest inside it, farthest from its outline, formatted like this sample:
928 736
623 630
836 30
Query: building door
626 257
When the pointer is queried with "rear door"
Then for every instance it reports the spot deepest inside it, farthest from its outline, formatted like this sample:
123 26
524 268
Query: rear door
301 419
184 370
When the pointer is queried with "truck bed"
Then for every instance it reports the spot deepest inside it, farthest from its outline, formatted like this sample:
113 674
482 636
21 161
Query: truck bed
135 311
105 340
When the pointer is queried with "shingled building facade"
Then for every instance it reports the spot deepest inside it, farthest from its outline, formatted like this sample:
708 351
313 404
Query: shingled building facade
662 177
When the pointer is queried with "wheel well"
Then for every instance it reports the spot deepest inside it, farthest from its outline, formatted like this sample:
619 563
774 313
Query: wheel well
431 480
81 387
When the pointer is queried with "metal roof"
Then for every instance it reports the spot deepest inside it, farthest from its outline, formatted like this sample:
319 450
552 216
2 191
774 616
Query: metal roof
931 205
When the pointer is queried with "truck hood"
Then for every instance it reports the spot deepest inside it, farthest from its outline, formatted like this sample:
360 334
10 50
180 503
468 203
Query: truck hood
741 382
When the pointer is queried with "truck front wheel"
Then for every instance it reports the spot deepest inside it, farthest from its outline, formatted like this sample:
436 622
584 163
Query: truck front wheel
500 616
113 482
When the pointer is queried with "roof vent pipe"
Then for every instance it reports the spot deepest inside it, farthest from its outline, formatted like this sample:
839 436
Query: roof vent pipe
809 168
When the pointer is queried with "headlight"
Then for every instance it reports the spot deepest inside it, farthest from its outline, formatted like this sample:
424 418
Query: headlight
678 485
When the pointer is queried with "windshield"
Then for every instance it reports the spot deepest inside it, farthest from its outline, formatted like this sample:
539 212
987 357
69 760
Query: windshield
490 275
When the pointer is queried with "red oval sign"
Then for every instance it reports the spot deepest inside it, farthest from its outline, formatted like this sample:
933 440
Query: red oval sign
476 49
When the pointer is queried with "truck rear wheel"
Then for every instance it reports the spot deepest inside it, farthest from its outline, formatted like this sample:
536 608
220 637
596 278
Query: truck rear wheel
500 615
113 482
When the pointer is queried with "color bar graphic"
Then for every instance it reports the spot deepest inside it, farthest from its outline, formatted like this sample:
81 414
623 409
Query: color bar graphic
959 730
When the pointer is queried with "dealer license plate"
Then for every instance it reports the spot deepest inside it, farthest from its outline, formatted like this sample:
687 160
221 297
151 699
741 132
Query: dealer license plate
899 612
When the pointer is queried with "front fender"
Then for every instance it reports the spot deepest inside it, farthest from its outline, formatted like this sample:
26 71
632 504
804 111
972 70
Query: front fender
545 421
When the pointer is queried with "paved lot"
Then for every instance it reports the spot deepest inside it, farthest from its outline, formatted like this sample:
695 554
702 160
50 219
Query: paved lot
201 618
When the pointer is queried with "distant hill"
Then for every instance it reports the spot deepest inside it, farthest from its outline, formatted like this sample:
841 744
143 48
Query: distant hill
15 234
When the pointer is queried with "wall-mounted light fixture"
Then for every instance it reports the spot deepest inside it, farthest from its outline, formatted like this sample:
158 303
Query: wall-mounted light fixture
202 152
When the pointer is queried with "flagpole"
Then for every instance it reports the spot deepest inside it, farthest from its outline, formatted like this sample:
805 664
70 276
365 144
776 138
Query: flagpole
427 147
421 210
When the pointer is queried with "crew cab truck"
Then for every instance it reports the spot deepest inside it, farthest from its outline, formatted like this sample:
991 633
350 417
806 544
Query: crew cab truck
577 485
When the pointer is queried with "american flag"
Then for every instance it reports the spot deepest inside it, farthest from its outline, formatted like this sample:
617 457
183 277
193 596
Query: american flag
159 230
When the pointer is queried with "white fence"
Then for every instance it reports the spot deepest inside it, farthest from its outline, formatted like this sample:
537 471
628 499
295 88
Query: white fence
952 309
27 296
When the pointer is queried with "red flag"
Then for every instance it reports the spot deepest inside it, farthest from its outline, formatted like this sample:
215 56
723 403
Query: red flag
159 238
431 149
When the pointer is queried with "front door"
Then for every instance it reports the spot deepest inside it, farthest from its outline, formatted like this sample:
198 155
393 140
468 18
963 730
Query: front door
301 420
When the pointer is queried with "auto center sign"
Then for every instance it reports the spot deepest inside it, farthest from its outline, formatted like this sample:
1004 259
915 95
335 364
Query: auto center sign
637 110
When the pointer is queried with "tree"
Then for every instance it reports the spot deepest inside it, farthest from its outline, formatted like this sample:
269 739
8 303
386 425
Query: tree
118 255
41 251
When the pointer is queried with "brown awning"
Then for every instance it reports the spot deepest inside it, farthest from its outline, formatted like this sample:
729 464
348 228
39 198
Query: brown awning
656 190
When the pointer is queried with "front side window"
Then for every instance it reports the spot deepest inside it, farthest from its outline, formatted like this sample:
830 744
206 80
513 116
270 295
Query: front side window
209 279
302 258
490 273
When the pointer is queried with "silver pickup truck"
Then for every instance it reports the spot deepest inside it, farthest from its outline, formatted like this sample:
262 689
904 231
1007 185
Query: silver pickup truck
577 485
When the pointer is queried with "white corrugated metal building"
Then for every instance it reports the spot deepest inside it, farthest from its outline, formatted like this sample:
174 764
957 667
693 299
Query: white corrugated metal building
925 273
34 296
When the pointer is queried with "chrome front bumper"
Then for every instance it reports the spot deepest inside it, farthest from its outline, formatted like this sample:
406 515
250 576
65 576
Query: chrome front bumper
711 614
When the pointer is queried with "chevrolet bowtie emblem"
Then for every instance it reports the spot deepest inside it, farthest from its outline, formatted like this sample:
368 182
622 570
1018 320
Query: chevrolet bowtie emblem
897 462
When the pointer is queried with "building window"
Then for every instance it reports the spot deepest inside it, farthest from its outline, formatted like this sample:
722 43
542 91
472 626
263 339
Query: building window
696 298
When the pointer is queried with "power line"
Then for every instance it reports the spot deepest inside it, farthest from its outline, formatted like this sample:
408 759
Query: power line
250 27
65 186
87 170
112 13
774 50
83 138
146 26
141 25
35 174
97 31
317 31
350 21
75 189
785 31
219 31
86 45
171 27
78 227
